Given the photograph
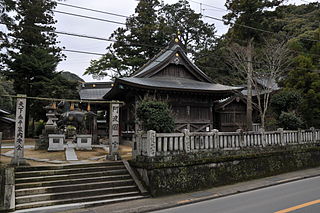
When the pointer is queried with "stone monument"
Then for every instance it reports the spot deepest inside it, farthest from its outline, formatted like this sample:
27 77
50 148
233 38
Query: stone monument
20 131
114 132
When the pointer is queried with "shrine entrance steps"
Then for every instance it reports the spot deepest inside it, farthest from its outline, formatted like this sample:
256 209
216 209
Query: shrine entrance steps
86 184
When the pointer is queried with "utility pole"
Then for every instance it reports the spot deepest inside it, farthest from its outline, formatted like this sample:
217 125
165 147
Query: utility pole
249 84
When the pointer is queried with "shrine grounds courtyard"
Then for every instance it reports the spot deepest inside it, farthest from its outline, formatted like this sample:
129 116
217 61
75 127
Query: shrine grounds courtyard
45 158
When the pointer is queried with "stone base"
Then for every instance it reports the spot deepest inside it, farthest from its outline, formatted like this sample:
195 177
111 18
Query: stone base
56 142
114 156
84 142
19 162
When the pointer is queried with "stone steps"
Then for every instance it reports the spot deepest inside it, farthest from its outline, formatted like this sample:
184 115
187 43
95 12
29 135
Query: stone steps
81 183
81 186
70 176
64 171
71 181
68 166
93 200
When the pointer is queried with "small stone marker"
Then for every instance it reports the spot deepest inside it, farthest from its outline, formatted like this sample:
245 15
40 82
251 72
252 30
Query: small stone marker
20 131
114 131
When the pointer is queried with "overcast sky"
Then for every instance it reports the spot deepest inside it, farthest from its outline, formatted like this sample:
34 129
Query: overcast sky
76 62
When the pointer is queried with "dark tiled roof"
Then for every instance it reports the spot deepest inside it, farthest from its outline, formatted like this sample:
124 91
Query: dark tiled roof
163 58
177 84
93 94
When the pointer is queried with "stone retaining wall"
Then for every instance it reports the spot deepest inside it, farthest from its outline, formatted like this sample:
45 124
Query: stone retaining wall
185 173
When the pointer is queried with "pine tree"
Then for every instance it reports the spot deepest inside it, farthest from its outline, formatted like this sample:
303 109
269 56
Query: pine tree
31 54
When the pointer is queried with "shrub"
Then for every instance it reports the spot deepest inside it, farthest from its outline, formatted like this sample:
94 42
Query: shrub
155 115
39 126
286 101
288 120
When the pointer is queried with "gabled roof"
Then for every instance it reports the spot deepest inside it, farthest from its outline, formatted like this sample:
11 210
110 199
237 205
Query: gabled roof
148 77
225 102
94 90
93 94
164 58
177 83
169 84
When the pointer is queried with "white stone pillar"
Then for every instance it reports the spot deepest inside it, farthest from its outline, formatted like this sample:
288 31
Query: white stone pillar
114 131
282 142
187 147
20 131
151 143
216 138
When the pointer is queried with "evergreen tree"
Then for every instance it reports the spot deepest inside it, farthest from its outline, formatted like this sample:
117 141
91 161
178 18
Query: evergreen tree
251 15
148 31
31 55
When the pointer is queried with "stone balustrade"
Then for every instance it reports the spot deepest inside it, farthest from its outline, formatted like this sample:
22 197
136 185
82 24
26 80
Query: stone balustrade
154 144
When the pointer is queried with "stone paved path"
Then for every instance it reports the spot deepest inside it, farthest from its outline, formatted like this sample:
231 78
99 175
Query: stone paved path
70 152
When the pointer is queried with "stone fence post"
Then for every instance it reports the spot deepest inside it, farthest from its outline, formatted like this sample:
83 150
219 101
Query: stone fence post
314 139
7 190
241 137
187 146
216 138
137 145
151 143
299 136
282 142
263 137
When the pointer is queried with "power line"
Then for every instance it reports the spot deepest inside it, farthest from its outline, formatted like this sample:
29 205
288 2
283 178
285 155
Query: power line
89 17
128 44
211 17
219 8
258 29
93 10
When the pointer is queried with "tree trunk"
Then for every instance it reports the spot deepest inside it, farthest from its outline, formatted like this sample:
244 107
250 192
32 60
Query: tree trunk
249 84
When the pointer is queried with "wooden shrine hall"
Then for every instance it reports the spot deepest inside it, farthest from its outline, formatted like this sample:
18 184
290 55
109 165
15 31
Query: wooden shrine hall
170 76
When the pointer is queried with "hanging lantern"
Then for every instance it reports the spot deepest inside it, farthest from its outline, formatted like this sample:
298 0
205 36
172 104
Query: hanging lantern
72 107
88 107
54 105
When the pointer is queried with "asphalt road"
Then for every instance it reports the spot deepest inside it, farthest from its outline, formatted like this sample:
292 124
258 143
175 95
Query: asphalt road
301 196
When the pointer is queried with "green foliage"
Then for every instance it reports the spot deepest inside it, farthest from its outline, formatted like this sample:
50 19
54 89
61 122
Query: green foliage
71 76
302 77
290 121
148 31
6 88
252 13
39 126
56 87
155 115
286 106
31 54
5 102
286 101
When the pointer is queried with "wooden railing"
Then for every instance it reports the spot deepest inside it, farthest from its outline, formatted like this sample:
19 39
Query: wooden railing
166 144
